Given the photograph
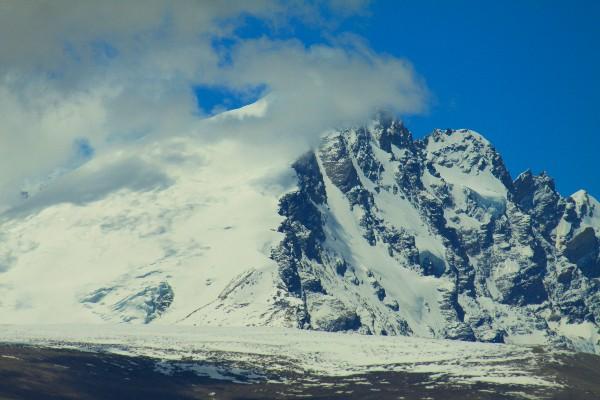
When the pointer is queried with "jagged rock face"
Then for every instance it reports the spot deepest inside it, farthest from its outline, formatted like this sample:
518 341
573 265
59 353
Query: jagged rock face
432 237
537 195
583 251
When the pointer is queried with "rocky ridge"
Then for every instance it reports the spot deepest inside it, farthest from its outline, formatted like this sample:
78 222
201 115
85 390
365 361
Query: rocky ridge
508 260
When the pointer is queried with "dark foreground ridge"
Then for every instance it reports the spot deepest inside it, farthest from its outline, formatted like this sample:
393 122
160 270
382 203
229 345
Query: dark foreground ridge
28 372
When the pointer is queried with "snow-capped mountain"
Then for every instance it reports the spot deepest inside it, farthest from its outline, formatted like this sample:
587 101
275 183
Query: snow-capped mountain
373 232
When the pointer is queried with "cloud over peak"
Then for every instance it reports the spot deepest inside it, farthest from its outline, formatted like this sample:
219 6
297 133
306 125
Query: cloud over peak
114 72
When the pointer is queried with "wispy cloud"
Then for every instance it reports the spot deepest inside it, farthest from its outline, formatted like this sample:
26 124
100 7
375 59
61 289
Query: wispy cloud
111 72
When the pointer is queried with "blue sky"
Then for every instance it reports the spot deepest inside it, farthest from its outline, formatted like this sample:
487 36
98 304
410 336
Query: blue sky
526 74
92 79
523 73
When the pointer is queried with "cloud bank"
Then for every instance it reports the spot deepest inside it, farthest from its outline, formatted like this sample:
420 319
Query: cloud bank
114 73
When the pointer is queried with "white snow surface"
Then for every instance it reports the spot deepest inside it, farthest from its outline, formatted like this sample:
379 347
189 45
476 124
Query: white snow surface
274 350
591 216
104 242
461 147
205 221
588 210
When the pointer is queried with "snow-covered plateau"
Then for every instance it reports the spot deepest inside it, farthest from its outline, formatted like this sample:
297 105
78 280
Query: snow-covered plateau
264 352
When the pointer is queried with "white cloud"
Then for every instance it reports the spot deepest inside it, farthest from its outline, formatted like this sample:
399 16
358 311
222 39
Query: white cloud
95 181
321 86
113 71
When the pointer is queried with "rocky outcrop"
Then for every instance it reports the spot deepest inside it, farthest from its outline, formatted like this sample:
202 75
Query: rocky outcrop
507 258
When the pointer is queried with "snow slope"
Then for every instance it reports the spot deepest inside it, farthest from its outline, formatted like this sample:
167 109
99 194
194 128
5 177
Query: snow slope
144 254
372 232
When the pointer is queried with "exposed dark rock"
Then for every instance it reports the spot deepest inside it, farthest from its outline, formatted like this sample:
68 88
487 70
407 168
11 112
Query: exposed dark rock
537 195
310 179
509 254
583 250
155 300
338 163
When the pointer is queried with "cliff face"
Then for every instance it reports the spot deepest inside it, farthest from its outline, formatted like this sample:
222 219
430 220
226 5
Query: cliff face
388 235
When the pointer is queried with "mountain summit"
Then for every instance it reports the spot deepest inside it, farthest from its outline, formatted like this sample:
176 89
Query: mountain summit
381 234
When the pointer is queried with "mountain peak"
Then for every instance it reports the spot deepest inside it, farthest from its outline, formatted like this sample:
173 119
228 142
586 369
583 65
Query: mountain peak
388 130
380 234
580 196
470 153
457 135
527 183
